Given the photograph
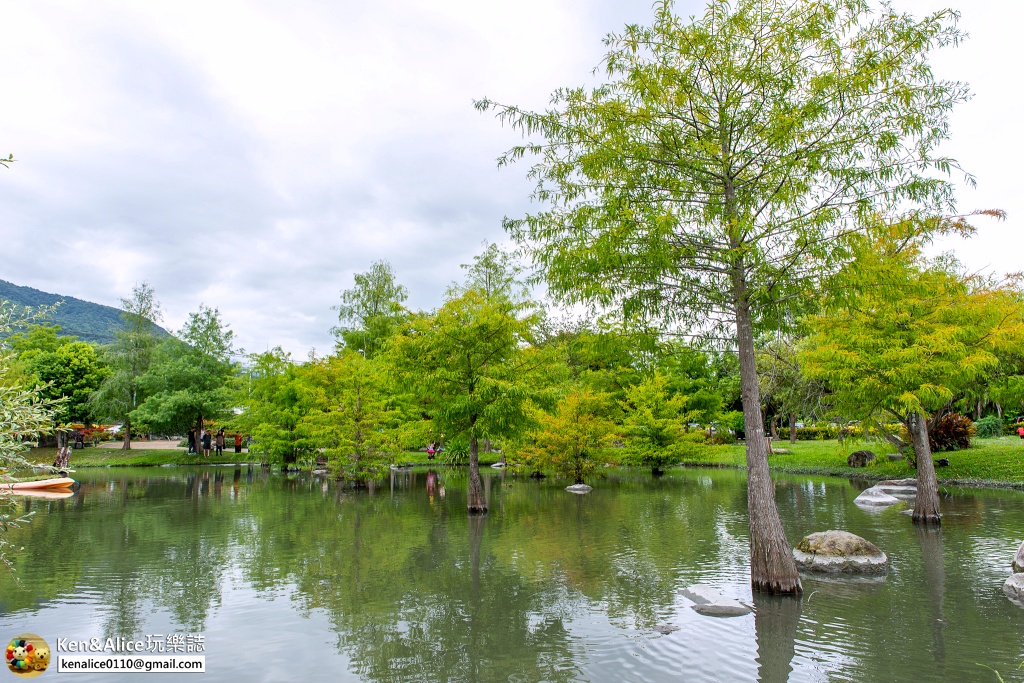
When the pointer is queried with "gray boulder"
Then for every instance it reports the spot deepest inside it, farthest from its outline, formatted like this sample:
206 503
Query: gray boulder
897 488
1014 588
711 603
839 552
579 489
860 458
875 497
1018 560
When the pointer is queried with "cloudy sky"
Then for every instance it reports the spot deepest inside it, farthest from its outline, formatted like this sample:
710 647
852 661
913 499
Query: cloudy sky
253 155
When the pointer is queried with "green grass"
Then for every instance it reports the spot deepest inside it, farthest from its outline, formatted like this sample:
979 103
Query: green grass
141 457
990 462
994 462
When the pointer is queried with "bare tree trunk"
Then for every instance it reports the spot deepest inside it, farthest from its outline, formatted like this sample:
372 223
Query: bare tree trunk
126 445
792 428
926 509
999 411
772 567
475 495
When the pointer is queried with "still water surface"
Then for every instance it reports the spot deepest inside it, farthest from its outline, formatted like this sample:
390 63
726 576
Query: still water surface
289 578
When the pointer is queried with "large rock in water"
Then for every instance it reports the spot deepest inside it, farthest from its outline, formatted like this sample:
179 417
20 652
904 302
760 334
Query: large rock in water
898 487
1018 560
839 552
1014 588
860 458
579 489
874 497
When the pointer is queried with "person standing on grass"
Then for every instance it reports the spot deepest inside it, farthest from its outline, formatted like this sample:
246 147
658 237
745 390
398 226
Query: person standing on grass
206 443
238 443
220 442
191 441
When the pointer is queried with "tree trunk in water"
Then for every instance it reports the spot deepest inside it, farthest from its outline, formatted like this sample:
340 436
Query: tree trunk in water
475 495
926 509
792 428
772 567
126 445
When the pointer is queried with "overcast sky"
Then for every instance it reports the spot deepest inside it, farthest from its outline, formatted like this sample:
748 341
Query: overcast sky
253 155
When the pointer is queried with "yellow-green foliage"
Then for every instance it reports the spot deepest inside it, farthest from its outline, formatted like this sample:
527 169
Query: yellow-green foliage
901 334
655 424
569 439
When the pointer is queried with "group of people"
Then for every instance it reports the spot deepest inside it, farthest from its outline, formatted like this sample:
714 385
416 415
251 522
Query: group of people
207 439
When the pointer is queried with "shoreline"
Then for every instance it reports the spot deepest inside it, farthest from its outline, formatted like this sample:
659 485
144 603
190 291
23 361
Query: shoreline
727 458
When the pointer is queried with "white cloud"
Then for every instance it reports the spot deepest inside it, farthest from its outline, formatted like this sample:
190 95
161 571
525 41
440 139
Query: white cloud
254 155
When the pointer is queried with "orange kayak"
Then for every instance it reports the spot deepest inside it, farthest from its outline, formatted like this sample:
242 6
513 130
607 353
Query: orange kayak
43 484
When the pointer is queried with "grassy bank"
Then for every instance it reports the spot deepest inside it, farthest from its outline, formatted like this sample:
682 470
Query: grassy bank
994 462
990 462
136 457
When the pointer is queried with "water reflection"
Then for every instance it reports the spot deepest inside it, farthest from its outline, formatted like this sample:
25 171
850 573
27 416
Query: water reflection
776 622
397 583
932 556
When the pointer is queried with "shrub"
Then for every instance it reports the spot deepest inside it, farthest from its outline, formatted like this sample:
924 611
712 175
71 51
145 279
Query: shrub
722 437
952 433
989 427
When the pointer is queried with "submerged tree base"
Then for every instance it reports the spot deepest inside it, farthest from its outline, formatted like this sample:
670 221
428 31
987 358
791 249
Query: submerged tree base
933 519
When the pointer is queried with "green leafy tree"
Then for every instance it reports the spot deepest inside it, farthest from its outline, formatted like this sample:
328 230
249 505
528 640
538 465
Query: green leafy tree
352 415
568 439
784 387
372 311
655 424
694 373
472 361
904 338
495 272
188 383
67 368
711 181
129 358
271 396
27 413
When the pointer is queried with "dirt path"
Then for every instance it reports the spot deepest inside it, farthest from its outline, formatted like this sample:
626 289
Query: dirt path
161 444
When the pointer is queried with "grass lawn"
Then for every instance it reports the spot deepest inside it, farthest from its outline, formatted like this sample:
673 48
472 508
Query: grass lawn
998 461
136 457
991 462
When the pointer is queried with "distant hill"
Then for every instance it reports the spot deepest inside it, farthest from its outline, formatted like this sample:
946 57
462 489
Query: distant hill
83 319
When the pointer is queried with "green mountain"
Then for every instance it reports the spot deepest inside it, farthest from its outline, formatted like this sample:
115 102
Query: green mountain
83 319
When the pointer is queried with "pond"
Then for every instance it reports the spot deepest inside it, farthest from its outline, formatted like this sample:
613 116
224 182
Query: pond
288 577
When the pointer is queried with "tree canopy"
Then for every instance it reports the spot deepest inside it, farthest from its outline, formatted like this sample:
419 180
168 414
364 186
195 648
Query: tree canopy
712 180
